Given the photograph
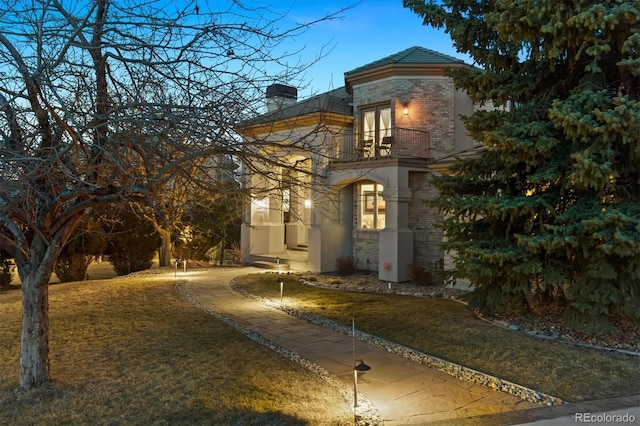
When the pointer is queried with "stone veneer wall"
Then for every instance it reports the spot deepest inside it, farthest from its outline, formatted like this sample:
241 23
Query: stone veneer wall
422 221
365 242
365 247
431 107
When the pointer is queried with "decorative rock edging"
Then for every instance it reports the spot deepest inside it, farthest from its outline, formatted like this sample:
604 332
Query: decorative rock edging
387 288
555 337
455 370
366 412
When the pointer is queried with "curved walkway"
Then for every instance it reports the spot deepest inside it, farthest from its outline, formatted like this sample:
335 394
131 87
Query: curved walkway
404 393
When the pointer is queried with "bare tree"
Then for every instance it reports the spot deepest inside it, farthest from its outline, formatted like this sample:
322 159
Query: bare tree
198 181
106 101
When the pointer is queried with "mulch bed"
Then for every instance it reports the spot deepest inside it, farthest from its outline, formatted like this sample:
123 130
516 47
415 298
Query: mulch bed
547 322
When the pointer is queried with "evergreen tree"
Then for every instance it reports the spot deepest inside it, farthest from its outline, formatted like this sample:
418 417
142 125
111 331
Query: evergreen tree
550 210
214 220
85 245
133 243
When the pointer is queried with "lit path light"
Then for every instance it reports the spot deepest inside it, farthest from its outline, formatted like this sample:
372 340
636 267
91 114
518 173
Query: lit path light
361 366
281 282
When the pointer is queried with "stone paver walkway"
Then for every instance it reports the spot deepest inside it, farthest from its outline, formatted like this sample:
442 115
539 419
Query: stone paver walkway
405 393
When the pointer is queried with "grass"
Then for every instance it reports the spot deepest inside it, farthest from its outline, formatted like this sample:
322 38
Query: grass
130 351
448 330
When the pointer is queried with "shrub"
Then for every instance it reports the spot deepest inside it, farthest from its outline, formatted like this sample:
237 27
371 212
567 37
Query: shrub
88 242
72 266
133 245
6 269
421 275
345 266
237 256
132 258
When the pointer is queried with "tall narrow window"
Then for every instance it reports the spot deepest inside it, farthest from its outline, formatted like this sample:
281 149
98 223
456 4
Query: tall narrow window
376 125
286 205
286 196
371 206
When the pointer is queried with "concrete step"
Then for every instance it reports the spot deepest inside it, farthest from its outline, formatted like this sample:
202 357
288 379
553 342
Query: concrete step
271 265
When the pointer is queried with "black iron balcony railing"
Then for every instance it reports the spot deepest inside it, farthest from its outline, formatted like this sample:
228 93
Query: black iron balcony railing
395 142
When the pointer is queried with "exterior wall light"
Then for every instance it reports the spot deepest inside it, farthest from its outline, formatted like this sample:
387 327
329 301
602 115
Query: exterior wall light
307 204
405 108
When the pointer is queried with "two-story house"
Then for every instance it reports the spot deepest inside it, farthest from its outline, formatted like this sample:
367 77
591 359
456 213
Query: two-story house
358 161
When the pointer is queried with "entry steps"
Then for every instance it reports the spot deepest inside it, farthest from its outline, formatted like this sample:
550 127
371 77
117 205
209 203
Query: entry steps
264 264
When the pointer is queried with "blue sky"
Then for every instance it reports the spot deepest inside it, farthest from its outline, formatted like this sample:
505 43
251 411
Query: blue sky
371 30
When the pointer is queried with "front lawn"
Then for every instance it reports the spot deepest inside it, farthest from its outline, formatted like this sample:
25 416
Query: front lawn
130 351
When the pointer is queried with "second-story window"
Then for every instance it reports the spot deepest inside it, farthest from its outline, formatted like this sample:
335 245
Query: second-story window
376 125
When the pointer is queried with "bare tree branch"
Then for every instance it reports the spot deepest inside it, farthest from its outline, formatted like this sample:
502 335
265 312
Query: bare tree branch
110 101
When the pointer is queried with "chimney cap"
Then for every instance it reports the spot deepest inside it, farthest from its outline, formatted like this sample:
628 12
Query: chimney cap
282 90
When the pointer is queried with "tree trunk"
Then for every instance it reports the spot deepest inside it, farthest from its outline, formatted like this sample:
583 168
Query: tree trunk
34 344
222 244
164 254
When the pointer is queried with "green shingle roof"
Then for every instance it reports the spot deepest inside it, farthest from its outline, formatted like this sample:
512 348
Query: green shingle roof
415 55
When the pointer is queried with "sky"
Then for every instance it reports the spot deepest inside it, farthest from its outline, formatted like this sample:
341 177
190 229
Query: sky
370 30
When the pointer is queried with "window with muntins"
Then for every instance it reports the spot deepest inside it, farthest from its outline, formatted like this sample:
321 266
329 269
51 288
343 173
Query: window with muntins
376 125
371 206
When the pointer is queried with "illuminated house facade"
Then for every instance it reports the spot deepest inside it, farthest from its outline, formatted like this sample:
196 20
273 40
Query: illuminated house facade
360 158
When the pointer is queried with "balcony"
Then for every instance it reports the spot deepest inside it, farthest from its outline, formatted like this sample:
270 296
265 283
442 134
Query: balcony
391 143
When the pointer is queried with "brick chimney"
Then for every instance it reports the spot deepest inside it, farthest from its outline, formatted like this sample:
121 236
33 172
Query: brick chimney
280 96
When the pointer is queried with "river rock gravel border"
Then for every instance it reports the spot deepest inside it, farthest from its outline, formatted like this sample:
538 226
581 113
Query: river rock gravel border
455 370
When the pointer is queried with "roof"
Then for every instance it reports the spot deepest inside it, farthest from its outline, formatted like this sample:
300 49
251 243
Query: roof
415 55
336 101
414 60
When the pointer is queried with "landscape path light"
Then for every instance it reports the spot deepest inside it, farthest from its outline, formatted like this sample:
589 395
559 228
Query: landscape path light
281 282
361 366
